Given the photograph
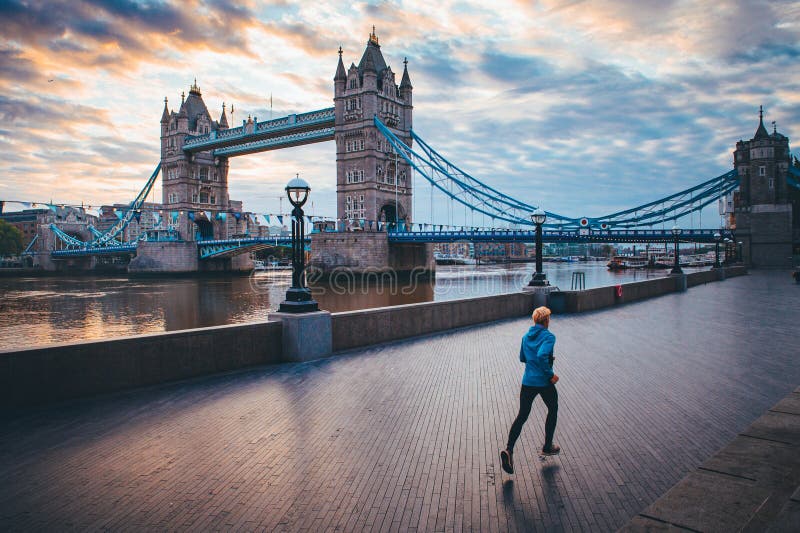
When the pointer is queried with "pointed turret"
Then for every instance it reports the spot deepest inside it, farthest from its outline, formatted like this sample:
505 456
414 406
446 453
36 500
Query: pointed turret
372 60
223 119
165 114
405 83
341 75
761 132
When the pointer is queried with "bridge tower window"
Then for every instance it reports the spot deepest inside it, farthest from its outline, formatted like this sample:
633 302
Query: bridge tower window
762 170
203 197
194 198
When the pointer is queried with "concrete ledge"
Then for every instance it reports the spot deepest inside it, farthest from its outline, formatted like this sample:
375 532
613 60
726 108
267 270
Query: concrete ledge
353 329
601 297
57 372
62 371
752 484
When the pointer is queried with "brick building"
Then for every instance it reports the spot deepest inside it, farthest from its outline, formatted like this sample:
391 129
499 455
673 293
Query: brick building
767 210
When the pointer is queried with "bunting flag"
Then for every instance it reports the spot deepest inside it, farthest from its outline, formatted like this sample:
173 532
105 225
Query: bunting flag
280 219
174 215
191 215
138 216
307 218
222 216
51 207
267 218
208 215
119 215
237 216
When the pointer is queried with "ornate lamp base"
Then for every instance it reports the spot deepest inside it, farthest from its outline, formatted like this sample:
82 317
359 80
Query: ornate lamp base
298 301
539 279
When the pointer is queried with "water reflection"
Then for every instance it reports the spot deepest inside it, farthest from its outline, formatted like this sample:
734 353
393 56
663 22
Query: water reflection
37 311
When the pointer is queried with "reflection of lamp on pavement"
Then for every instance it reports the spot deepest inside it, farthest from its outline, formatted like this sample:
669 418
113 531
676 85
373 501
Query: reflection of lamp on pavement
298 297
539 279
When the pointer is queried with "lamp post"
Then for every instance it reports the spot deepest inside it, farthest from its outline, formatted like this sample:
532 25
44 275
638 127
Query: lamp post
676 269
739 258
298 297
727 247
539 279
717 238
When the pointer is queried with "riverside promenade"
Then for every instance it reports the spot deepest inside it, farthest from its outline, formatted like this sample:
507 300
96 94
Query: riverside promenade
405 436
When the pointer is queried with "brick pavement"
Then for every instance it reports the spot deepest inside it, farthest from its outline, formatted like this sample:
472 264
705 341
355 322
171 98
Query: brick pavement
405 436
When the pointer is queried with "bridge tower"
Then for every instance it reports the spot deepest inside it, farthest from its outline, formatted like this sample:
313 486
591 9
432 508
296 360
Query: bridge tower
763 209
194 186
371 183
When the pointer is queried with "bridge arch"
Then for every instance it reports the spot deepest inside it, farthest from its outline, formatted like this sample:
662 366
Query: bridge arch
390 213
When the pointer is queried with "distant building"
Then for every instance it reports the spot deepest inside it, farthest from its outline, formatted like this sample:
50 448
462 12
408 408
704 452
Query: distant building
767 209
31 221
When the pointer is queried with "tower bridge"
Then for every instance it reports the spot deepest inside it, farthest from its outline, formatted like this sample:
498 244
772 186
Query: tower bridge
378 157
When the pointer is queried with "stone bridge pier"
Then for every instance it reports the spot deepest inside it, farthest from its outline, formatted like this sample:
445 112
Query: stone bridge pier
365 254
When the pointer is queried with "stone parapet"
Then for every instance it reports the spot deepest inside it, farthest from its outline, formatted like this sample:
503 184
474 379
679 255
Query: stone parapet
63 371
367 253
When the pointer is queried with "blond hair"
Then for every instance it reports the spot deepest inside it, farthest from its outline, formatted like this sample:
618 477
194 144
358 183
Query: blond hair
541 315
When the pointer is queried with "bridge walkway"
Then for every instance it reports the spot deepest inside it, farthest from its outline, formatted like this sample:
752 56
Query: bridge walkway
405 436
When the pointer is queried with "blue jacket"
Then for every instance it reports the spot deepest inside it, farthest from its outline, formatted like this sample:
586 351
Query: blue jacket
537 352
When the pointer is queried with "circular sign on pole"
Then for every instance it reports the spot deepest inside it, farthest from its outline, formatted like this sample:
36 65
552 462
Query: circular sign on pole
584 222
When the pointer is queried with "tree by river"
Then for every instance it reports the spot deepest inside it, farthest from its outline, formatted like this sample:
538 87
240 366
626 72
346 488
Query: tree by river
10 239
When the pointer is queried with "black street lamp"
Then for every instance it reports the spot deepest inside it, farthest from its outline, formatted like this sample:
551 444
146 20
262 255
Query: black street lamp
676 269
717 238
727 250
739 258
298 297
539 279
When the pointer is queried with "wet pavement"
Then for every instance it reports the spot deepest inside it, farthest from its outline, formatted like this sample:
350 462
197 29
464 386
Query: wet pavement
406 436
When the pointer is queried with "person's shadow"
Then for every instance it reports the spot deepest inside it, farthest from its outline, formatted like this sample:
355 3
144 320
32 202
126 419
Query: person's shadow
554 499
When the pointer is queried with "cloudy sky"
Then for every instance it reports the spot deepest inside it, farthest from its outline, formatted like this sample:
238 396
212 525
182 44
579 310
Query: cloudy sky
581 107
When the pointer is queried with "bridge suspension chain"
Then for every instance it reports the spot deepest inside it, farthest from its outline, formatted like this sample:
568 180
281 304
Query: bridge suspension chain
109 237
475 195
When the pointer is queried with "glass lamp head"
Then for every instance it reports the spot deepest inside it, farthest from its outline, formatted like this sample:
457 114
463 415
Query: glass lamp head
297 190
539 216
717 236
676 230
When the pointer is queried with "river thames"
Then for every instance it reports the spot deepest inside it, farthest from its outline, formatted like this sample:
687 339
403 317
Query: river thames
41 311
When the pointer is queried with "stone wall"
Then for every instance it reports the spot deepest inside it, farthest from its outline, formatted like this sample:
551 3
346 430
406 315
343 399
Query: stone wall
164 257
593 299
58 372
361 252
766 235
353 329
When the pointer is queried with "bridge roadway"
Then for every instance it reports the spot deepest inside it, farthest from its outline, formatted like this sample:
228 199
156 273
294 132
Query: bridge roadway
219 248
405 436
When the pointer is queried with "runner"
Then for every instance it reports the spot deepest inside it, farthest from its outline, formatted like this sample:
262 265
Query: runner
537 354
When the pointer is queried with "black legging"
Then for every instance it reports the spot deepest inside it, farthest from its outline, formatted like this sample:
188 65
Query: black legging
526 397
